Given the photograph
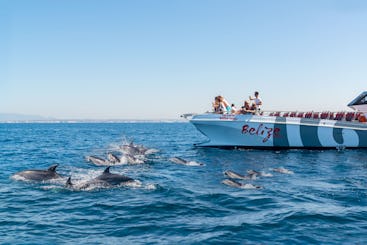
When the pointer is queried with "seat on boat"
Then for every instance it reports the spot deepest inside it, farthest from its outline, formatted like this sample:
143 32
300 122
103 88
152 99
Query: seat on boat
349 116
324 115
331 116
339 116
277 114
285 114
308 114
342 115
300 114
293 114
315 115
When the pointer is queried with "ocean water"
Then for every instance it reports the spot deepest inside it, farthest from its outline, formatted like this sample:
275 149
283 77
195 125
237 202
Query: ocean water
324 201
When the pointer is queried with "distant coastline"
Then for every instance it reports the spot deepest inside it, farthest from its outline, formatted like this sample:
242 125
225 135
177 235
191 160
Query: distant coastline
22 118
93 121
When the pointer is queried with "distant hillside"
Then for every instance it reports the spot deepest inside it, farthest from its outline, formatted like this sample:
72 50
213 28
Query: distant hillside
22 117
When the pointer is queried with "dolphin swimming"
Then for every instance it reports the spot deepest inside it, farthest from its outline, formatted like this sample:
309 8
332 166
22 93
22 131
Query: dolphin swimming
179 160
97 160
240 185
112 158
283 170
133 149
106 179
233 175
136 150
39 175
262 174
134 159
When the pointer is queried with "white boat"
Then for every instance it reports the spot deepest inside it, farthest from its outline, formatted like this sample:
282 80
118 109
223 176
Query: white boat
274 130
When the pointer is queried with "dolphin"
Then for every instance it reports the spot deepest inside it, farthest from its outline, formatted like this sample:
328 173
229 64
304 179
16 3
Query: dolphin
132 149
133 159
240 185
233 175
106 179
283 170
251 171
39 175
179 160
112 158
262 174
96 160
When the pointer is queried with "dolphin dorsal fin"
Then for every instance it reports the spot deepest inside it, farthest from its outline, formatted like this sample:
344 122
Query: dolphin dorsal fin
53 168
107 170
68 182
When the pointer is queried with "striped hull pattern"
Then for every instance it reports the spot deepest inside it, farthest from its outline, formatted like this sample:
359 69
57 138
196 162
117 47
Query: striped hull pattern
279 132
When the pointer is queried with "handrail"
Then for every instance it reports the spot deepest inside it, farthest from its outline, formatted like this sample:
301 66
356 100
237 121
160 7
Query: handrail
330 115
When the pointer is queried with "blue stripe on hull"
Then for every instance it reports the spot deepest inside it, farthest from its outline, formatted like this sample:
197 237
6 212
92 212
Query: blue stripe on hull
362 138
309 133
338 134
281 139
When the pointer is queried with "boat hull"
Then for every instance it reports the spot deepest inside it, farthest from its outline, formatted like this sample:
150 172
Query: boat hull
251 131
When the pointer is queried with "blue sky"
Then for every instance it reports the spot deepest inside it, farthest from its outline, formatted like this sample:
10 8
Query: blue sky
144 59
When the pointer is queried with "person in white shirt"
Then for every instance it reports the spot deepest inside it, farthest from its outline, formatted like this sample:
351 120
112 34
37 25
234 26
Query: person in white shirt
258 101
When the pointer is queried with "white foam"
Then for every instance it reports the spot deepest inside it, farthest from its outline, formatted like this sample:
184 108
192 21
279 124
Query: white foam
250 186
151 187
132 160
263 174
194 163
133 184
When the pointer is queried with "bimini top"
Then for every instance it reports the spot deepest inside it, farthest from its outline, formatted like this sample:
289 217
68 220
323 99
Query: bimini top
359 103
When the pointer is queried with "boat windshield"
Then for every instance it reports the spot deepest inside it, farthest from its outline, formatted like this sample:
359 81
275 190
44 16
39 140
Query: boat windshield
359 103
360 100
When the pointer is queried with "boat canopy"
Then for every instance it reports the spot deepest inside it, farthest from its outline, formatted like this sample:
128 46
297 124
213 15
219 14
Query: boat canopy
359 103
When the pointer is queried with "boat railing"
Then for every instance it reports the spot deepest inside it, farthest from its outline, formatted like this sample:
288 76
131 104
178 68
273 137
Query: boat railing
326 115
330 115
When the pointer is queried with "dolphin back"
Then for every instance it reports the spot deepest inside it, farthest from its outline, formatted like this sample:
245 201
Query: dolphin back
112 179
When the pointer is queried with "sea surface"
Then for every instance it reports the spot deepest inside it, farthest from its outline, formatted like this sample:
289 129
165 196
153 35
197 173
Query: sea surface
324 201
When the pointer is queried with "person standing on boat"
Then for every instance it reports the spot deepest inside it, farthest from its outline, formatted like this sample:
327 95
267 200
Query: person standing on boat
258 101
